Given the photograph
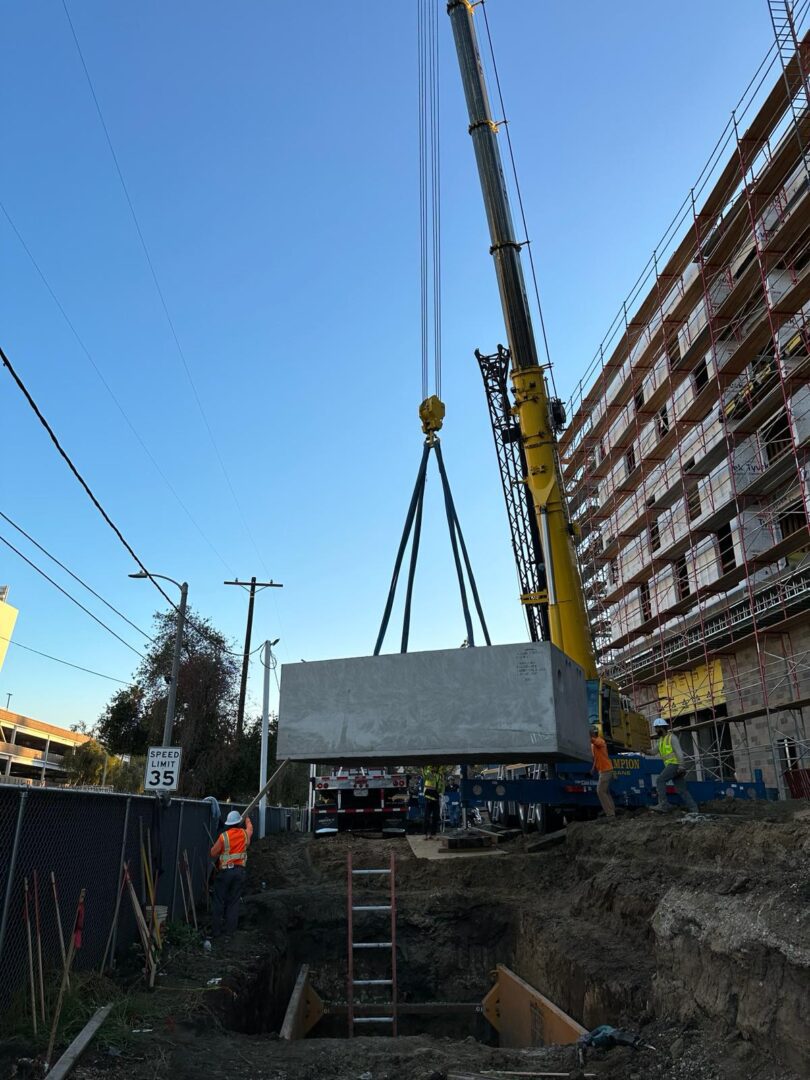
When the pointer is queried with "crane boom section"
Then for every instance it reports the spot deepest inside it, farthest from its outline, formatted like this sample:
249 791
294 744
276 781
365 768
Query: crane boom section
568 620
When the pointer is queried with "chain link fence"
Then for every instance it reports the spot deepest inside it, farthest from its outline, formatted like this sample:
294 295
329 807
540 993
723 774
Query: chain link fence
61 841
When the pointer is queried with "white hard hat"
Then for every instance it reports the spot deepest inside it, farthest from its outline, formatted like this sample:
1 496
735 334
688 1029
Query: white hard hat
234 818
659 721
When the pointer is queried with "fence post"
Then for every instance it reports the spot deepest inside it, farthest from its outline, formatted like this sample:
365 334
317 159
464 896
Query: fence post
118 885
177 858
11 867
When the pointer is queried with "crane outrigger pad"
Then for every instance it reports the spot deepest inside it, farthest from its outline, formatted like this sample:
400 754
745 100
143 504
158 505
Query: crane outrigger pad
503 703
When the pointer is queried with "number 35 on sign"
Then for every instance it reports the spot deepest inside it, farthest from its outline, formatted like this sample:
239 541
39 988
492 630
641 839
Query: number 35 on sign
162 768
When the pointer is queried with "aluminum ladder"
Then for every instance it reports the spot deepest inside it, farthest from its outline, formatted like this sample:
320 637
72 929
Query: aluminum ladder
386 1013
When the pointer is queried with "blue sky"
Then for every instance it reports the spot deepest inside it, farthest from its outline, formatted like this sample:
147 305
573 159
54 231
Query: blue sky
270 149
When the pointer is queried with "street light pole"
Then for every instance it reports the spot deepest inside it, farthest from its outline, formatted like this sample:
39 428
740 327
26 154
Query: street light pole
178 644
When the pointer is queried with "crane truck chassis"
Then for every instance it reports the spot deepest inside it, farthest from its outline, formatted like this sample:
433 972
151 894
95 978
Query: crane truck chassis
568 790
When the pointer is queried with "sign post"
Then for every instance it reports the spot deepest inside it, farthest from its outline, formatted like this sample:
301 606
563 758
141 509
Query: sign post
162 768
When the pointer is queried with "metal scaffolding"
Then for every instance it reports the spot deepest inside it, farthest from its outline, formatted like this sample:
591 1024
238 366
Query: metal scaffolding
686 458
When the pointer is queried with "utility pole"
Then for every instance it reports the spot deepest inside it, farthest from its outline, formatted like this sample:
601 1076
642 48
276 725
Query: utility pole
269 662
9 696
252 586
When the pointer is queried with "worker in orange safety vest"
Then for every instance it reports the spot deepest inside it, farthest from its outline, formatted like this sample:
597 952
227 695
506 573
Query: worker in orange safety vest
230 852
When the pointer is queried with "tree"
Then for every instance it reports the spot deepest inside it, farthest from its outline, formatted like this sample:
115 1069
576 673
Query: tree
121 726
84 764
126 775
205 707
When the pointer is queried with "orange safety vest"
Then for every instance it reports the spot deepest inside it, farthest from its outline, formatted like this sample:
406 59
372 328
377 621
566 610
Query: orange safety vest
234 849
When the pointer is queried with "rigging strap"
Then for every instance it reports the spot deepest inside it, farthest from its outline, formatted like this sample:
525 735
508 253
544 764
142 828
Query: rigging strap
413 522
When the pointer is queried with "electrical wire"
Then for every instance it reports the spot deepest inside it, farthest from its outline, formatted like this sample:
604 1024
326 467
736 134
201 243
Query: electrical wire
159 290
67 663
75 577
70 597
68 461
107 387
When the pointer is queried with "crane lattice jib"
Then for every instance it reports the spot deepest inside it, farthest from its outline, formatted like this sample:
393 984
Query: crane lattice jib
568 622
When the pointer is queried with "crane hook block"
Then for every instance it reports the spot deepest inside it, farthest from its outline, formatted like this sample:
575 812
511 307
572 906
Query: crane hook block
431 413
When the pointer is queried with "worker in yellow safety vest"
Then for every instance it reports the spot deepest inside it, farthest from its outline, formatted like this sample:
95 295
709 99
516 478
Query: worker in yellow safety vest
230 853
432 789
668 748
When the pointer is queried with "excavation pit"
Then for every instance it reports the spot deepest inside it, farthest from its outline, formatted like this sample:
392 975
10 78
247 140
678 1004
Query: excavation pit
446 952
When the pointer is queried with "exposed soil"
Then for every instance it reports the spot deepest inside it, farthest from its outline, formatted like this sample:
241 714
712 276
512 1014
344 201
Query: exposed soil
693 932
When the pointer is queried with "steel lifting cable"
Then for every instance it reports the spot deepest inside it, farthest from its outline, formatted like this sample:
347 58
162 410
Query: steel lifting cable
429 193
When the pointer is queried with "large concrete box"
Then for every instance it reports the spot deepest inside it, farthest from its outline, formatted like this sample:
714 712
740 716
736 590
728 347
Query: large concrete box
504 703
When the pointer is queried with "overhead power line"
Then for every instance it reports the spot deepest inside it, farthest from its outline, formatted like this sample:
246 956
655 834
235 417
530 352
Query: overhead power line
75 577
158 287
66 457
70 597
107 387
67 663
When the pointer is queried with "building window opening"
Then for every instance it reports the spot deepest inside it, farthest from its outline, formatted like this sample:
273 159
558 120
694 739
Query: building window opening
725 544
655 536
776 438
700 375
682 578
638 398
693 503
662 421
646 605
630 460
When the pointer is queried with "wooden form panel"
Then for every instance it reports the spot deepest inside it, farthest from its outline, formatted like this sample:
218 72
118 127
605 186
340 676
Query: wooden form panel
523 1016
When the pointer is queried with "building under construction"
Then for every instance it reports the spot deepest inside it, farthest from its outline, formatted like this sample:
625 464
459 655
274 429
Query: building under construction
686 455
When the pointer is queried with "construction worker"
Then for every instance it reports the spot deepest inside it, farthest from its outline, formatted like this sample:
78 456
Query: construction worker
433 789
603 766
668 748
230 852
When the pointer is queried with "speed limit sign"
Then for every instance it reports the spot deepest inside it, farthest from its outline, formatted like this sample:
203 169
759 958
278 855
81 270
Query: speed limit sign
162 768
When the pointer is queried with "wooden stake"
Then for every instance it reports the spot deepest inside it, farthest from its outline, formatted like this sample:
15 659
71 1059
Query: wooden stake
59 922
150 865
152 894
30 960
191 903
143 871
39 946
143 930
113 925
65 974
183 889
